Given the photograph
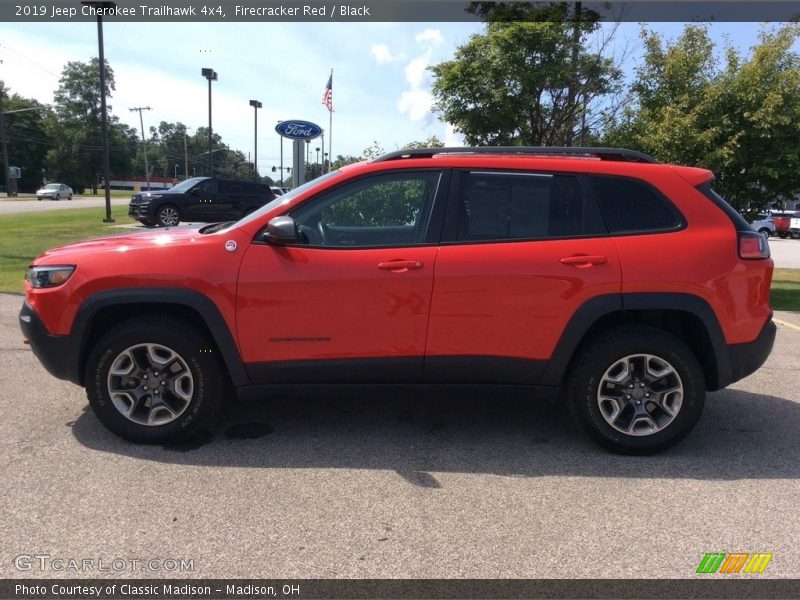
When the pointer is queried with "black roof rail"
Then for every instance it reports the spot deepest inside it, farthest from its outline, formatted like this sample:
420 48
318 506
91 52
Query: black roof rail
619 154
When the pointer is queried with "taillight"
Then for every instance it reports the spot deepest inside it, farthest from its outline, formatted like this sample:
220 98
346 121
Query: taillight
753 245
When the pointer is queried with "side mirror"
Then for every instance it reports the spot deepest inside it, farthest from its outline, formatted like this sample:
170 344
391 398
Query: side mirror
281 230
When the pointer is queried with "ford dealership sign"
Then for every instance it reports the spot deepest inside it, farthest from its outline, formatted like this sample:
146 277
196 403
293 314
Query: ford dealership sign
298 130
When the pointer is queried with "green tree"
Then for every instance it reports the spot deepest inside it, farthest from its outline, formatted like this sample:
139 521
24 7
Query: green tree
741 120
526 83
432 142
27 137
77 155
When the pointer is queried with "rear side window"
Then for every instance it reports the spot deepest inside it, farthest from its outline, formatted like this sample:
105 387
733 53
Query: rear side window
519 206
633 206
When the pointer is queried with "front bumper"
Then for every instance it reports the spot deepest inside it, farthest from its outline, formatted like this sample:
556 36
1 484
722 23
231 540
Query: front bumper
139 211
59 354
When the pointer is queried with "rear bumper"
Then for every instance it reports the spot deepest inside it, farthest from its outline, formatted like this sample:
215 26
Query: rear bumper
744 359
59 354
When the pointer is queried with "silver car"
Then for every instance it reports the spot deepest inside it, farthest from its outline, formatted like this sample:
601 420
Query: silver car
54 191
764 224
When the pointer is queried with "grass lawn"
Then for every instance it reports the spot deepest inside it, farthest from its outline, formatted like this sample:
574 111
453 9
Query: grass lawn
786 289
24 236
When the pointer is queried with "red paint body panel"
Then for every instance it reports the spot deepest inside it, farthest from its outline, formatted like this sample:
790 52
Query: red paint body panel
514 299
324 303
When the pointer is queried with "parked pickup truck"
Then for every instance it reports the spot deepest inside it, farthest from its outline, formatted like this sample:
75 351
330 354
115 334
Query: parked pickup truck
787 224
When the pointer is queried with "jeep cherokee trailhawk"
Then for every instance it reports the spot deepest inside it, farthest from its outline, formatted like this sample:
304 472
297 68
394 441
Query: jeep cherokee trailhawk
626 286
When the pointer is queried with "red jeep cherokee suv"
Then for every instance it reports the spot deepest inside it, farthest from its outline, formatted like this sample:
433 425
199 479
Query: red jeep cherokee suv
626 285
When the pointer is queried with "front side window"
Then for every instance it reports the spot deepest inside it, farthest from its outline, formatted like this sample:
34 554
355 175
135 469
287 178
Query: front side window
390 209
519 206
209 186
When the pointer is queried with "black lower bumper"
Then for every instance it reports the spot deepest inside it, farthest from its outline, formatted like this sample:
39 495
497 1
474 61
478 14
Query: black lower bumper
59 354
744 359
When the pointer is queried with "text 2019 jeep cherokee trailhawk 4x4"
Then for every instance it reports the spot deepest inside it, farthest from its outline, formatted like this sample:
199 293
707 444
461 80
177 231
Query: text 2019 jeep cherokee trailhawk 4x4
627 285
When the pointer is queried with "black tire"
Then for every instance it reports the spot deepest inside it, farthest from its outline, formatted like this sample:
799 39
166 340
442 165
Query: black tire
168 215
173 418
764 231
69 197
795 235
58 197
600 356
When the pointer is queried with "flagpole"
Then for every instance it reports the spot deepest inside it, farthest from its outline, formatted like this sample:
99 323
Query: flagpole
330 130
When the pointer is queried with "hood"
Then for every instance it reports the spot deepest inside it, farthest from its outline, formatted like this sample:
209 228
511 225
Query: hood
132 242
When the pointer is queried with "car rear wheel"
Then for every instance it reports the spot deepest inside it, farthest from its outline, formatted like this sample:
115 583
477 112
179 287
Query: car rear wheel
69 197
154 380
636 390
168 215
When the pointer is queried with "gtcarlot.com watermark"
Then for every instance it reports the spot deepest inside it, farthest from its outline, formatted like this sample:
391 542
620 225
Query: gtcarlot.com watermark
45 563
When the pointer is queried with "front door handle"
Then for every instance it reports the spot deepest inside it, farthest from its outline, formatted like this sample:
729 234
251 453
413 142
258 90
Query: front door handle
584 261
401 266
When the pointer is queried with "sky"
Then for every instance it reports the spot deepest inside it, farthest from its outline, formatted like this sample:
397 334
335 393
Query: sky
381 86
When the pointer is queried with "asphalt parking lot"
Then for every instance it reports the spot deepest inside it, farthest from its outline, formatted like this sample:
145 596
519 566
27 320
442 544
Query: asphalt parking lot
377 483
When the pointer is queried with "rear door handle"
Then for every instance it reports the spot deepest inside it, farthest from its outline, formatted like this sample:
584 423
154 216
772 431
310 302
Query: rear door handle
584 261
401 266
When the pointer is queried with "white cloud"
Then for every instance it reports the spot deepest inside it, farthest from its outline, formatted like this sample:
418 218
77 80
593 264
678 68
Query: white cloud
383 55
417 103
418 100
433 37
417 72
452 138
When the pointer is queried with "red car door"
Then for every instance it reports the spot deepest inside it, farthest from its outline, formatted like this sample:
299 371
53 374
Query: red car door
350 300
521 253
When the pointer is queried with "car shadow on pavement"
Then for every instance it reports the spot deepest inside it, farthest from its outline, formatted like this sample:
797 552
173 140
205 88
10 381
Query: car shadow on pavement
418 433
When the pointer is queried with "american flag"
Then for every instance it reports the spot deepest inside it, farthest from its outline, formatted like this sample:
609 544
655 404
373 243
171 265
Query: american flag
327 97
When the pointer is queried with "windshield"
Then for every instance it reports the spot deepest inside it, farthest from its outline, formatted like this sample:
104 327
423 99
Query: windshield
51 186
287 197
187 185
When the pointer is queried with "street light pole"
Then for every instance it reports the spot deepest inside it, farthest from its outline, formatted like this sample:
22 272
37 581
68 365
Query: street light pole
102 7
279 122
211 75
256 105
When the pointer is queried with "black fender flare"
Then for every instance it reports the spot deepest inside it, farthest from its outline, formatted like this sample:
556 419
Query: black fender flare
200 303
596 308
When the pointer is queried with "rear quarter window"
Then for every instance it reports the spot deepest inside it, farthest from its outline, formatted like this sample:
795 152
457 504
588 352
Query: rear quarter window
634 206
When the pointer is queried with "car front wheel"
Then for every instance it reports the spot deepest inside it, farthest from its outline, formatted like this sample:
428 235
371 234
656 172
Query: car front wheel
154 380
636 390
168 216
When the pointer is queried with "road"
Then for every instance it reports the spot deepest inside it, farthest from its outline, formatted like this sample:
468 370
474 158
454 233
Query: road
377 483
10 207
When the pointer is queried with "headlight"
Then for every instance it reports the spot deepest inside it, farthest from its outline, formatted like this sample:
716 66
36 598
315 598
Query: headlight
47 277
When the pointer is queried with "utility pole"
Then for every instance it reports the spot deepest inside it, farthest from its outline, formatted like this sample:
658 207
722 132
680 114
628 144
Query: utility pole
185 155
144 142
4 144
